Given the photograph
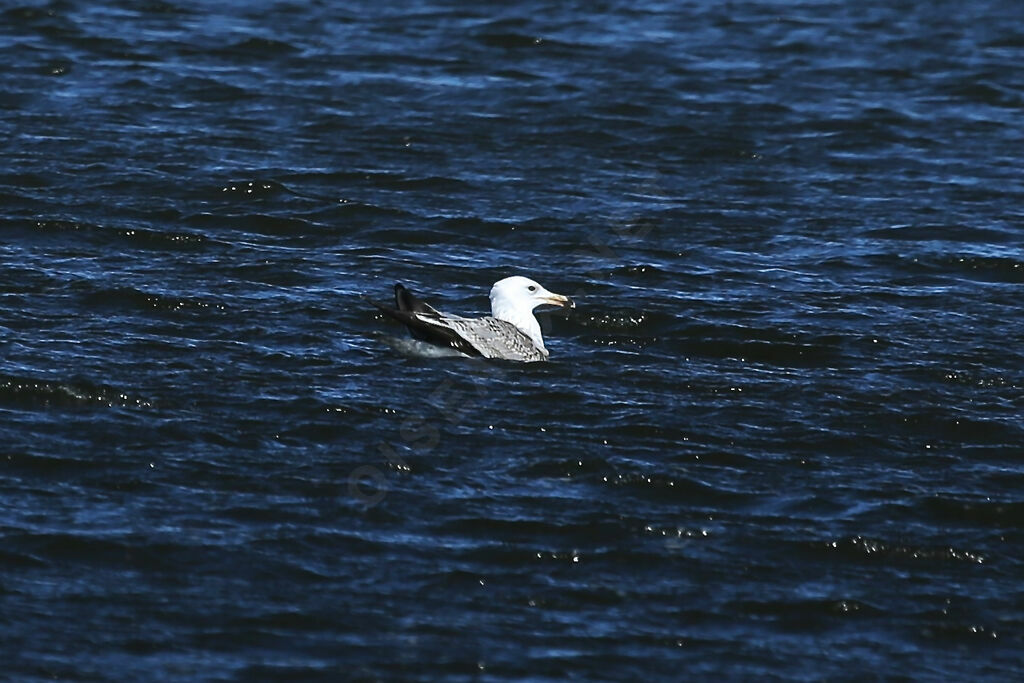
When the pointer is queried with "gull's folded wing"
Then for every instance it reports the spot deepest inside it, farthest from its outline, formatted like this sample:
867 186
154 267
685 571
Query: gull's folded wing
494 338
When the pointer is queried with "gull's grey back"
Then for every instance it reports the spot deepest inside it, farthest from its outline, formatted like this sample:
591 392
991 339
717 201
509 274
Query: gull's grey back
494 338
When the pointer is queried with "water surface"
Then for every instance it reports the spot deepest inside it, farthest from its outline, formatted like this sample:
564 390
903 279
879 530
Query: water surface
781 434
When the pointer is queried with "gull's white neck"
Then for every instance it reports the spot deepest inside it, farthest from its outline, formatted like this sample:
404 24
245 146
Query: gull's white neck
521 316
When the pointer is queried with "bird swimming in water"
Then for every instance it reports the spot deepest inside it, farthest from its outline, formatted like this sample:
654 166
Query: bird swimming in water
511 332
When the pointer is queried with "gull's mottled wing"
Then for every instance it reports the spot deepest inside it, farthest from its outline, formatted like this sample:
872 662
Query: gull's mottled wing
490 337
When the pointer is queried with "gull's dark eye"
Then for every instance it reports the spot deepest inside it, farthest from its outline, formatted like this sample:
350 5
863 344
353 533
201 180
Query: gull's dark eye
532 288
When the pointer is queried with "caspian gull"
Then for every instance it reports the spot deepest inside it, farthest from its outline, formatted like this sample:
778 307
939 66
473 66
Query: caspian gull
511 332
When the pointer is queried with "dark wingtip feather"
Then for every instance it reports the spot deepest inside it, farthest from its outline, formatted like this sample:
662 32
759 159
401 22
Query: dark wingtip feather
406 311
406 301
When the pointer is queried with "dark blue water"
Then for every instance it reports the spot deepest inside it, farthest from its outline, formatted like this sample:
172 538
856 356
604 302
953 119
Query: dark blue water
781 435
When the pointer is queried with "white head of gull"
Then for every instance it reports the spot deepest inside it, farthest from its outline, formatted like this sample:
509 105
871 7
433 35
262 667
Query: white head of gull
514 300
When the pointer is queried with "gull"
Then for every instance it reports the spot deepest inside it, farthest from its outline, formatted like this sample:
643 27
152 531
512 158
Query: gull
511 332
